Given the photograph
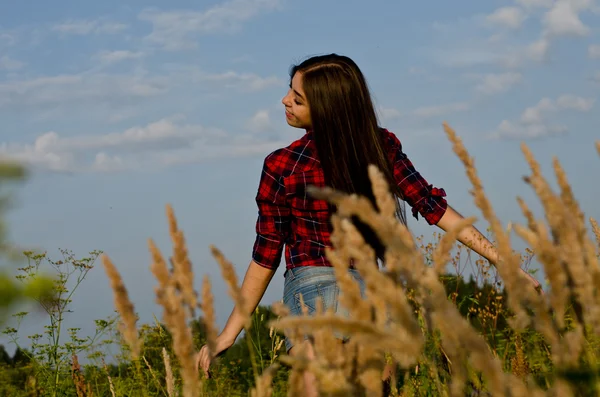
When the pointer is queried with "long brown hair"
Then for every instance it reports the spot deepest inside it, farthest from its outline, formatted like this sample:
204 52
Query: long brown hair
346 131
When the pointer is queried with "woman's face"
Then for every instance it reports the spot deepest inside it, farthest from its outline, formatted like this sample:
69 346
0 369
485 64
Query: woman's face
297 113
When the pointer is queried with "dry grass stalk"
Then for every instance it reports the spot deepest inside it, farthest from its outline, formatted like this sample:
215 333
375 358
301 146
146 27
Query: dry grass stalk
182 266
519 363
331 381
518 297
264 382
568 240
124 306
326 346
531 222
295 379
175 319
460 341
209 317
596 230
575 243
110 381
169 380
82 388
230 277
557 279
153 373
159 269
384 321
509 265
388 302
441 256
568 199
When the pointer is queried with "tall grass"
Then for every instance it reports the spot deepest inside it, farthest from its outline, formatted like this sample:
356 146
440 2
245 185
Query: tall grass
407 305
501 339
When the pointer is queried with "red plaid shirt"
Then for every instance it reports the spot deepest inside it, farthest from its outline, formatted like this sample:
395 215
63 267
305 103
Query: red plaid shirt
288 216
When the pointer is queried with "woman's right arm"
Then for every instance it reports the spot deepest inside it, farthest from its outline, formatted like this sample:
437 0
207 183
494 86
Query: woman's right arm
253 287
272 229
255 284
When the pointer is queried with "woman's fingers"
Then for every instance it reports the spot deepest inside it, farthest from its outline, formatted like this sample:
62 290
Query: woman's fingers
536 284
203 360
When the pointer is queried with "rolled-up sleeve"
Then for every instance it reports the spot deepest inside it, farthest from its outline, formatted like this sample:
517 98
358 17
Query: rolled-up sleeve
272 225
424 198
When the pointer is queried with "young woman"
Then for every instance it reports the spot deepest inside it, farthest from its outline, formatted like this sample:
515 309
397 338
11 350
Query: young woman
329 98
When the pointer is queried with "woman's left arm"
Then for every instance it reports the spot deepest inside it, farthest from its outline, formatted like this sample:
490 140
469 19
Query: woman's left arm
469 236
431 204
474 239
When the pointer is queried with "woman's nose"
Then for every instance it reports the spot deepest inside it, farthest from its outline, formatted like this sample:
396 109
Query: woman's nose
286 100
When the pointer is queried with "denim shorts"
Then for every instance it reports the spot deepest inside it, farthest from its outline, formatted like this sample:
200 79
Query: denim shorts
314 282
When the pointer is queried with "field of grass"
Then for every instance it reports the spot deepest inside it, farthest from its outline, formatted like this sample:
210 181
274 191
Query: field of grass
446 336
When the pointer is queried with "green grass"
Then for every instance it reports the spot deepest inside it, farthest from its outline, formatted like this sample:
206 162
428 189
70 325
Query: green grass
46 368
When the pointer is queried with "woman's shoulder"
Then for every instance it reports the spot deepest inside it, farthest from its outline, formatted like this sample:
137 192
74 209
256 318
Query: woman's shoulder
297 156
390 138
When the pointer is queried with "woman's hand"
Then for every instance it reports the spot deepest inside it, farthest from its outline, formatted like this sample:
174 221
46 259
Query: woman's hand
253 287
204 357
536 284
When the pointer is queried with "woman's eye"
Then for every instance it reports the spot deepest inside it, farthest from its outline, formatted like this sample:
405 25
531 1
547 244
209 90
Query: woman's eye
297 103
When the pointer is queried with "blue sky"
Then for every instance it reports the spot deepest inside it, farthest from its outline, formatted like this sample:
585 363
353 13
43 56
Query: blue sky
122 107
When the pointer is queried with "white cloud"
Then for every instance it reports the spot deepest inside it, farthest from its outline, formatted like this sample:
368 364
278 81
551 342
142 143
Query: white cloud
176 30
75 27
7 39
115 90
9 64
165 133
389 114
510 17
495 83
122 114
246 81
535 3
199 153
538 50
572 102
533 121
467 55
461 45
79 87
165 142
416 70
594 51
563 18
188 74
106 163
111 28
509 130
39 154
86 26
535 114
260 122
110 57
440 110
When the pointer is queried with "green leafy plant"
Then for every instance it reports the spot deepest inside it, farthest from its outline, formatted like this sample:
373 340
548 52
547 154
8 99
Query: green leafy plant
52 351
